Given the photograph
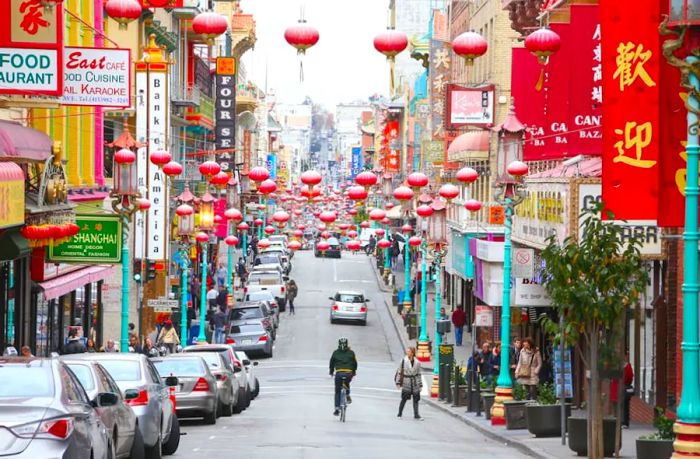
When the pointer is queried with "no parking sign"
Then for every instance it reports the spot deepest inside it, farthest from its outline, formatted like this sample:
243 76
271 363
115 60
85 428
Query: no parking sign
523 263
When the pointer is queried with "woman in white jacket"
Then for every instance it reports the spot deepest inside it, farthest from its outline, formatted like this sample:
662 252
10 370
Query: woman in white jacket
409 380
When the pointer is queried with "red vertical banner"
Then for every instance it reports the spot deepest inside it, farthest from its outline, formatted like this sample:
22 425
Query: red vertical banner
631 132
557 80
529 103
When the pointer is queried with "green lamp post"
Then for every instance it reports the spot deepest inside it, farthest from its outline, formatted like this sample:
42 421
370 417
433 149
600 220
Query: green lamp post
423 348
437 231
206 223
508 191
185 230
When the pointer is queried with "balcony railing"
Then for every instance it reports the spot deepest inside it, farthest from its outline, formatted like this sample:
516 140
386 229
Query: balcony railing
187 97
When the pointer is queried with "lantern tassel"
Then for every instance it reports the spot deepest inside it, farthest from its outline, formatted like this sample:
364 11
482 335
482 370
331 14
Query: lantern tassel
301 70
540 81
391 77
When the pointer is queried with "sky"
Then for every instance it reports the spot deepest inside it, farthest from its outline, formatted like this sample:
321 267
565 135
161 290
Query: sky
342 67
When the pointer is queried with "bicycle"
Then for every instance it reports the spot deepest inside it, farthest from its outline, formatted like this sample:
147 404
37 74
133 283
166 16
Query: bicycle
343 398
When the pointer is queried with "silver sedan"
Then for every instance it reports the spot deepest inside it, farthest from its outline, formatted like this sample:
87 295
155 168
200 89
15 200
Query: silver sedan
349 305
197 392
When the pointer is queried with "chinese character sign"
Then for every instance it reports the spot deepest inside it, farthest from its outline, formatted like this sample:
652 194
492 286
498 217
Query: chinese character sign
356 166
440 61
390 134
631 135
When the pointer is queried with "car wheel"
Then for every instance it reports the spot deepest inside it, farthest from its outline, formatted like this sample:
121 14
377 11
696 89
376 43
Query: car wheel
227 410
240 405
257 388
111 452
155 451
364 322
137 450
248 397
173 442
210 418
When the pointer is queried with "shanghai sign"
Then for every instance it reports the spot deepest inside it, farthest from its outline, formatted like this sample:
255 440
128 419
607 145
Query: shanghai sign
99 241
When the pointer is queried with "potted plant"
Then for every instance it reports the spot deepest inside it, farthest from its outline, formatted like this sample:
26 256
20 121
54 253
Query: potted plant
411 322
515 409
658 445
544 417
461 385
577 428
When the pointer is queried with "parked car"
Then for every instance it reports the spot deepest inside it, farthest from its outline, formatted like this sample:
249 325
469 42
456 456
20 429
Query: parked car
147 395
119 419
349 305
45 412
251 337
283 255
226 382
197 392
266 297
249 368
268 280
332 252
268 259
254 310
243 397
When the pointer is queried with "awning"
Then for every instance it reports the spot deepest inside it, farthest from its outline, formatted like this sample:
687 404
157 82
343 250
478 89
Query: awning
10 172
13 245
61 285
470 145
19 142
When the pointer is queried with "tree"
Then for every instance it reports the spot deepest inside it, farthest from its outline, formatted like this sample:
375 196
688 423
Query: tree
594 281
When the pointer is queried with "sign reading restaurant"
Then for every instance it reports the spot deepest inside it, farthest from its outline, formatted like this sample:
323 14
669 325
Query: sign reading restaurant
99 241
31 48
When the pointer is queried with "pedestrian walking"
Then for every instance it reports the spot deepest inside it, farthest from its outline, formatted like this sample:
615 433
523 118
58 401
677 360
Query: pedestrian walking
222 298
627 391
372 244
241 271
459 319
528 368
74 344
514 355
168 336
219 325
408 379
221 275
292 291
212 295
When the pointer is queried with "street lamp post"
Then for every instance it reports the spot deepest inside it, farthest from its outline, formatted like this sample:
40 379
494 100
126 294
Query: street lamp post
206 223
185 229
437 231
687 425
508 191
423 211
124 202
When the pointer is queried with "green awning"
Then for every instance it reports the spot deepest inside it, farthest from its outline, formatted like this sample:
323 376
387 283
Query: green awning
13 245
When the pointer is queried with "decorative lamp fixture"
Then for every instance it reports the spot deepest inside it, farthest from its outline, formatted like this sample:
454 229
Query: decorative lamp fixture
387 185
380 232
353 245
202 237
233 214
160 158
326 235
366 179
365 224
357 193
172 169
294 245
467 175
143 204
280 216
209 25
310 178
437 225
258 222
125 180
414 241
209 168
185 220
417 180
321 227
123 11
543 43
385 221
352 212
517 169
322 246
352 234
327 216
206 212
511 135
298 233
448 191
403 193
258 174
268 186
301 227
343 226
470 45
301 36
231 241
390 43
472 205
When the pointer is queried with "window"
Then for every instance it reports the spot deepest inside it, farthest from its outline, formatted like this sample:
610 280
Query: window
247 328
84 375
107 380
349 298
71 386
23 381
122 370
153 372
246 313
212 359
180 367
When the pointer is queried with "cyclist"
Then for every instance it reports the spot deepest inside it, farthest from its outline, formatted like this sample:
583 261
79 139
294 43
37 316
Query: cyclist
344 364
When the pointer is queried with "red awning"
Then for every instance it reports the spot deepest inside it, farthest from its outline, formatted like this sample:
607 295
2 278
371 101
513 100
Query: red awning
10 172
468 143
19 142
66 283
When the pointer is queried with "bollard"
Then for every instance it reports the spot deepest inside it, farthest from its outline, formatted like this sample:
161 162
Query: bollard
456 390
470 377
448 392
478 398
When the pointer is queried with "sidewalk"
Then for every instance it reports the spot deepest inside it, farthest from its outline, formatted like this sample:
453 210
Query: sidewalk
522 440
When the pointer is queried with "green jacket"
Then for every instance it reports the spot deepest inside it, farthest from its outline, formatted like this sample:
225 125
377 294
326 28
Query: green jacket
343 361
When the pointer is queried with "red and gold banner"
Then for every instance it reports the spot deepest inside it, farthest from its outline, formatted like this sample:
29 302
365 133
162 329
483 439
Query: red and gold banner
631 132
529 103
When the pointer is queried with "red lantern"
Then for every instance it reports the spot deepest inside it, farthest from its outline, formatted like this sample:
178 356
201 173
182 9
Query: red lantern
326 235
219 179
353 245
209 25
357 193
327 216
543 43
406 228
202 237
294 245
352 211
143 204
472 205
172 169
258 174
231 241
160 158
448 191
414 241
243 226
517 169
377 214
366 179
123 11
267 187
233 214
218 219
389 205
301 227
209 168
269 230
364 224
385 221
470 45
184 210
467 175
280 216
310 178
323 246
380 232
390 43
352 234
301 36
343 226
417 179
258 222
321 227
298 233
264 243
424 210
384 243
403 193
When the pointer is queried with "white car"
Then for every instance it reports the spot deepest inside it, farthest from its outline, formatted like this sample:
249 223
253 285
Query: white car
271 281
249 366
349 305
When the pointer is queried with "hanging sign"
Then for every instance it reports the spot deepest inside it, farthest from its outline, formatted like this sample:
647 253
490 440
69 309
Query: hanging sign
483 316
523 263
631 57
470 106
98 77
99 241
356 165
225 109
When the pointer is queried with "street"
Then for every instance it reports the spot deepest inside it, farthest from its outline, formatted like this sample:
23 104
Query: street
292 417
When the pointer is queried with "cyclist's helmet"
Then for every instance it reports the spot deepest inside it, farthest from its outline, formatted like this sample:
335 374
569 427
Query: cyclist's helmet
343 344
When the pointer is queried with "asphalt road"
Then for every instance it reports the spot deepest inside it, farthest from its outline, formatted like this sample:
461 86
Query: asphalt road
292 417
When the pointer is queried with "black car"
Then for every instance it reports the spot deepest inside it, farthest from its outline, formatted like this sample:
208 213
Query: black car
332 252
251 311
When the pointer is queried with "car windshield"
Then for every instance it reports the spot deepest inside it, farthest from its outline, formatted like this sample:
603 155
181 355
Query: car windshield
264 278
246 313
122 370
25 381
179 367
212 359
349 298
269 260
332 241
84 375
247 328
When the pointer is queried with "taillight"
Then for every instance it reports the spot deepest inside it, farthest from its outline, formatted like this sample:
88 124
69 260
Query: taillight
55 428
263 338
141 400
282 289
245 289
202 385
221 377
230 341
363 309
335 307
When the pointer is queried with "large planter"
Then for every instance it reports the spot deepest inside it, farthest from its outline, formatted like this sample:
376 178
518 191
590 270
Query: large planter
412 331
545 420
515 414
463 394
487 399
578 435
654 449
473 400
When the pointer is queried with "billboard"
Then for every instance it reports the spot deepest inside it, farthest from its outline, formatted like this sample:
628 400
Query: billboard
225 109
470 106
98 77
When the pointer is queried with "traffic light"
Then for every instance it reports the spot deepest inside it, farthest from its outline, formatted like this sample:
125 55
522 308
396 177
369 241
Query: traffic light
150 270
137 271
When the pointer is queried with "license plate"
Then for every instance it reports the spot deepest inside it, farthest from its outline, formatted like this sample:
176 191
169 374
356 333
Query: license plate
247 342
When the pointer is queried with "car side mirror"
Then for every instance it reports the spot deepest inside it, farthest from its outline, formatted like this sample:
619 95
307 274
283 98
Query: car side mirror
255 364
237 369
331 298
246 362
131 394
105 399
171 381
366 300
285 278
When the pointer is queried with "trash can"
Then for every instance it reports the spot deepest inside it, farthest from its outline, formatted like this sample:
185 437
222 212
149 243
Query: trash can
399 301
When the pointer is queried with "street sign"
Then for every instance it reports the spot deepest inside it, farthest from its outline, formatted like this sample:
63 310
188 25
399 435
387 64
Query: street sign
99 241
483 316
523 263
162 305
